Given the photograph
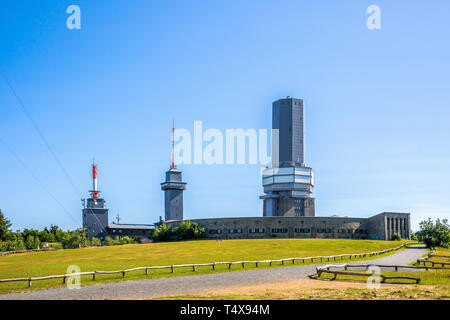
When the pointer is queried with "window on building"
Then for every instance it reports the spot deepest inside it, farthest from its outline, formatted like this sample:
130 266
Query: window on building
259 230
279 230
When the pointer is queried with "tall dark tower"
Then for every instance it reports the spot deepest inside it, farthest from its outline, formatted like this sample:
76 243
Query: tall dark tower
173 189
95 215
288 184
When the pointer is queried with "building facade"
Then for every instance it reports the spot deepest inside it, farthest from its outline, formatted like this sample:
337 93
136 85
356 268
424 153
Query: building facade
379 227
173 194
95 218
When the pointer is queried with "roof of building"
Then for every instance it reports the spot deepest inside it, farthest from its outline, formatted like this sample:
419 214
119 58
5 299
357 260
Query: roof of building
131 226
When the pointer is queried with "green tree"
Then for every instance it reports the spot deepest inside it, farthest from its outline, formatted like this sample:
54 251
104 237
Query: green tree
57 233
75 239
32 242
414 237
4 227
434 234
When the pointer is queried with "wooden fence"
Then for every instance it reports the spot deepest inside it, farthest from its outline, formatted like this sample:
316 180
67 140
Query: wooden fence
424 261
335 273
212 265
432 255
383 277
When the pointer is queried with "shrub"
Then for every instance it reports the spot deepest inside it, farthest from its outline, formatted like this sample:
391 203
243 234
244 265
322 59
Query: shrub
414 237
109 241
96 242
12 245
125 240
396 236
188 230
162 233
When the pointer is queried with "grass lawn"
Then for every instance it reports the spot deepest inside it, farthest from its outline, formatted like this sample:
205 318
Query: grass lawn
171 253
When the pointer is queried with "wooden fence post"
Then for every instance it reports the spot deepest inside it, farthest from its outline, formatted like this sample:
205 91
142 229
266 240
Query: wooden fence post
229 266
214 266
29 282
93 275
193 267
123 274
173 269
146 271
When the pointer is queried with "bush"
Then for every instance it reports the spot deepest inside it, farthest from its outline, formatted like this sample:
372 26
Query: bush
434 234
96 242
12 245
162 233
396 237
109 241
125 240
414 237
188 230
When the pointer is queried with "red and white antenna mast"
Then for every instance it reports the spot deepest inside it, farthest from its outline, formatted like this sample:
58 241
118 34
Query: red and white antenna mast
173 144
94 192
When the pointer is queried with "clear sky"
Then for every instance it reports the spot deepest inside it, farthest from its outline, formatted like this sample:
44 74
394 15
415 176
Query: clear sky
377 103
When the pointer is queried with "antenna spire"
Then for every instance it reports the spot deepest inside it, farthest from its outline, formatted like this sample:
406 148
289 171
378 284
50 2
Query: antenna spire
173 144
94 192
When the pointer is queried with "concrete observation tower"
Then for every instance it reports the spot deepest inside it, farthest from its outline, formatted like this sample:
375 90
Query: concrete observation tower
289 183
173 188
95 214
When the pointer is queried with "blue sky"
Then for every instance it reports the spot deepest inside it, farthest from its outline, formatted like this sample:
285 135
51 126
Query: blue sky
377 102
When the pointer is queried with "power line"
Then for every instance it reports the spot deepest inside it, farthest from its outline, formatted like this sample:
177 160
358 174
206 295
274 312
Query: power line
36 178
47 144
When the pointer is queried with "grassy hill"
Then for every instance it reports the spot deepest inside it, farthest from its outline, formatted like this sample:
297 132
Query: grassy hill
154 254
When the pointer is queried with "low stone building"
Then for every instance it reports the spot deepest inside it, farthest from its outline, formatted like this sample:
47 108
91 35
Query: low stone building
379 227
141 231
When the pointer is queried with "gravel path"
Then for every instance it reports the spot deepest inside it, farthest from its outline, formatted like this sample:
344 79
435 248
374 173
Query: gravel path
192 284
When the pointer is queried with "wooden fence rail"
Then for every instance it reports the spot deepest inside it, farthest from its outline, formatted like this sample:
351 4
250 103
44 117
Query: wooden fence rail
383 277
366 266
213 265
424 261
